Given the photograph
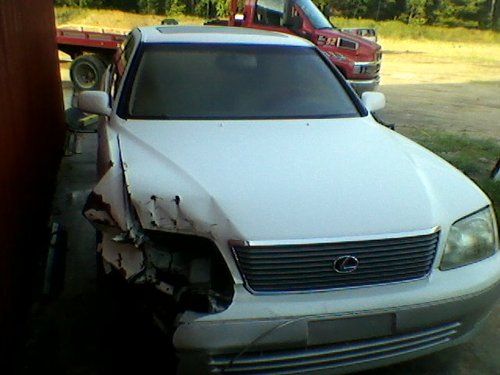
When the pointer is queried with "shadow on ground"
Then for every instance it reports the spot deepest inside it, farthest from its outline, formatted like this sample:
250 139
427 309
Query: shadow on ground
471 108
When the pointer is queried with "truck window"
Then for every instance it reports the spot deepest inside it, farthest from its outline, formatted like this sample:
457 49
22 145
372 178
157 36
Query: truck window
269 12
317 19
211 81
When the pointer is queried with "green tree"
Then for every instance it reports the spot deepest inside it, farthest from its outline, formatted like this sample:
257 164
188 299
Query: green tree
464 13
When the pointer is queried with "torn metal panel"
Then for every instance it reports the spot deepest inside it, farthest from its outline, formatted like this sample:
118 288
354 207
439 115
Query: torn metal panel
109 205
126 258
98 212
166 198
105 203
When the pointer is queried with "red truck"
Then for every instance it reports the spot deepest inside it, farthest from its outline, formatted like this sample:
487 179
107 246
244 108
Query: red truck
357 58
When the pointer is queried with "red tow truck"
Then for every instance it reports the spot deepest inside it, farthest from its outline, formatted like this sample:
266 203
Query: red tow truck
357 58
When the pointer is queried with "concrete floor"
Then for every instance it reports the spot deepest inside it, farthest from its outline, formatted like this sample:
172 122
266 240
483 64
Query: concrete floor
91 331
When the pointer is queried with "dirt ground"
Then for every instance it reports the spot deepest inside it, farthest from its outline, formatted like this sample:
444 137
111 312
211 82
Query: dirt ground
442 85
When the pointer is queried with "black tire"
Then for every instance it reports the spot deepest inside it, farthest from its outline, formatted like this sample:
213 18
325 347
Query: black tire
86 72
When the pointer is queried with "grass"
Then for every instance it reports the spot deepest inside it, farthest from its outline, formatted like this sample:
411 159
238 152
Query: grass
386 29
475 157
477 53
400 30
115 18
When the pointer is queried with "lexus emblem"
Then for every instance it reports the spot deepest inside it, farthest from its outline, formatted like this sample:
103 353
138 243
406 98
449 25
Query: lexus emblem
345 264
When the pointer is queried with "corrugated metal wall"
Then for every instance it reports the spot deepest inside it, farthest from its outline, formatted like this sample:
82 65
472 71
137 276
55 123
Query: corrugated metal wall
31 135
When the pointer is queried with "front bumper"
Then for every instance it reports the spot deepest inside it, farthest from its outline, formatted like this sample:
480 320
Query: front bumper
360 86
331 342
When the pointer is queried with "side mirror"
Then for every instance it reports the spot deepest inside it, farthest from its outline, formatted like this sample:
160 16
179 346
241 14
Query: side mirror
373 101
96 102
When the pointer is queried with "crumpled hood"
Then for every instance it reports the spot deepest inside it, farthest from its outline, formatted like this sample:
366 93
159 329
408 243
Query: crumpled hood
282 180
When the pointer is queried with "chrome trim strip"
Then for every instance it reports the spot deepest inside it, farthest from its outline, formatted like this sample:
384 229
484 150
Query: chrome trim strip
368 63
315 241
337 355
332 289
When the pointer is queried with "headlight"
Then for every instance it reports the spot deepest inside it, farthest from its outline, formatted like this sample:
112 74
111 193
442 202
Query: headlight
470 239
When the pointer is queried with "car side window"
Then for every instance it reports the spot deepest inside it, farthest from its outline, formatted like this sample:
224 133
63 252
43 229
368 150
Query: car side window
269 12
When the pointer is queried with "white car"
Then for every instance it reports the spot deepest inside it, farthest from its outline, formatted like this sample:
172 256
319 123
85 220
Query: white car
286 229
364 32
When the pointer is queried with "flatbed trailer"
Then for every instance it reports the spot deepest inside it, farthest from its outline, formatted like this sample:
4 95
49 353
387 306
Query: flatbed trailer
91 49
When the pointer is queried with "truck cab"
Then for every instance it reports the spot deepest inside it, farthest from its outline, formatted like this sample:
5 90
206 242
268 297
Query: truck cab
357 58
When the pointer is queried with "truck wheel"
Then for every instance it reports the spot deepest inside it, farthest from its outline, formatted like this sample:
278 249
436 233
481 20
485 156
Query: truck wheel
86 72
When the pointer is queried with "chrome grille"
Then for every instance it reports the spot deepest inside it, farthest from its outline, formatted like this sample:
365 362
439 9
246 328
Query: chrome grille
291 268
367 68
331 357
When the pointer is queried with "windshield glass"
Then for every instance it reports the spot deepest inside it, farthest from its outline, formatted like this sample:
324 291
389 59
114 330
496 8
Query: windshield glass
186 81
318 20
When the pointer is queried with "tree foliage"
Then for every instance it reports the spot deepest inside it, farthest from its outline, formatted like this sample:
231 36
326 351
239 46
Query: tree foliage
472 13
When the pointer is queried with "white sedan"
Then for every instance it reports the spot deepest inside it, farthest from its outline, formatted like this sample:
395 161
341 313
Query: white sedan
285 229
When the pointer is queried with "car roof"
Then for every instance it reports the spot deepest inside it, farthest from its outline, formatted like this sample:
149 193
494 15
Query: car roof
218 35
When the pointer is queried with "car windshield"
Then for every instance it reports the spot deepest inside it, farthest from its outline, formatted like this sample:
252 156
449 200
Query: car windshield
317 19
186 81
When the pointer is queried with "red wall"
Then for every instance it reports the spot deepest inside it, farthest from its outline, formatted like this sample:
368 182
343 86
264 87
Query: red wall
31 134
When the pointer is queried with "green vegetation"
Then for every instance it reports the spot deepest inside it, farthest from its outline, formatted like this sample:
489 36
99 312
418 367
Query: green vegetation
68 14
475 157
115 19
466 13
400 30
387 29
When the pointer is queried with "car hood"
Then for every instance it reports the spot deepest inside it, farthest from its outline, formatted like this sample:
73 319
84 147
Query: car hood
284 180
